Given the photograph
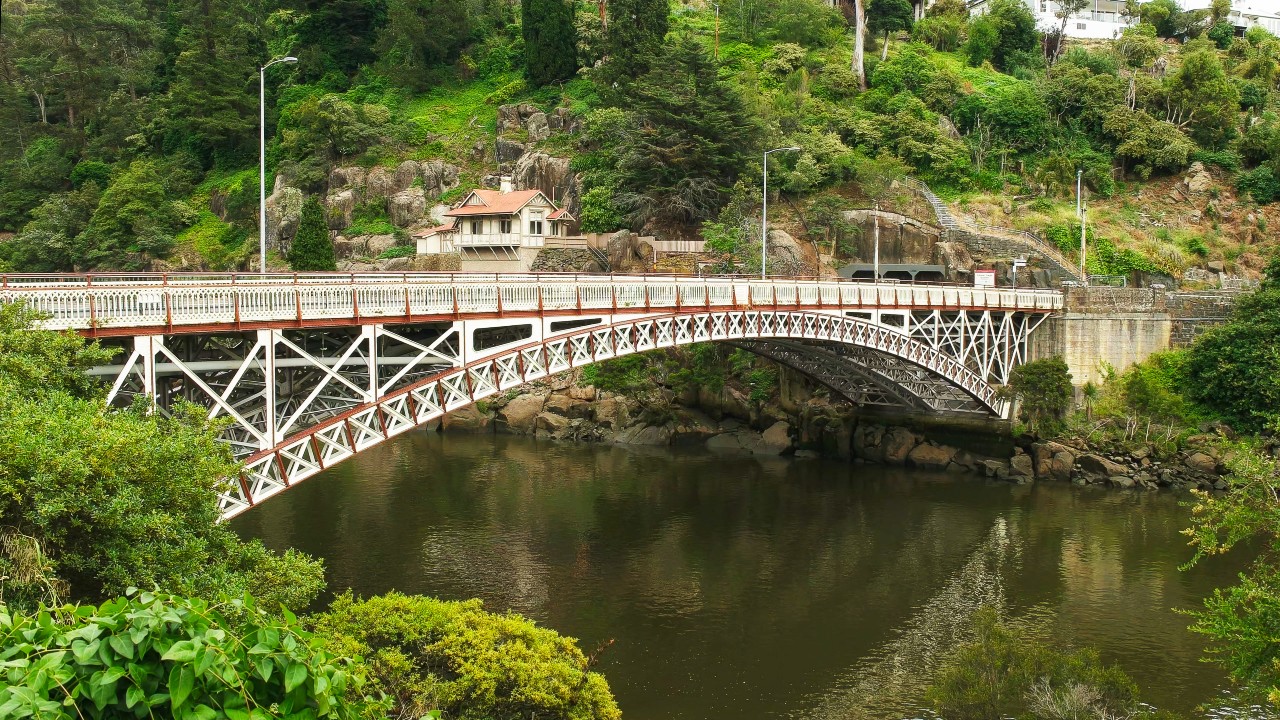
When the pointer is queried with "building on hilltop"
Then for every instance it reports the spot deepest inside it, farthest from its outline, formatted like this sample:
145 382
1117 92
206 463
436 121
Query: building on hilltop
498 229
1104 19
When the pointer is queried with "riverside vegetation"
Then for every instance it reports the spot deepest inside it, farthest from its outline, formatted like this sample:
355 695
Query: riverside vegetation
127 143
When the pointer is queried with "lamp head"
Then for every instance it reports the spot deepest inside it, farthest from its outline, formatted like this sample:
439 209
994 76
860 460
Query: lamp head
289 59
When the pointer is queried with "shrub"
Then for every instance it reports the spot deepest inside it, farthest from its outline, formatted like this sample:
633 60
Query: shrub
943 32
1260 183
1234 369
92 171
312 248
1225 159
455 658
1221 34
1151 388
160 655
398 251
1043 391
1004 674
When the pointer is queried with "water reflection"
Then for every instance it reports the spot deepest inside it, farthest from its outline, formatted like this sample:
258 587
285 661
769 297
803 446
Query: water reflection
735 585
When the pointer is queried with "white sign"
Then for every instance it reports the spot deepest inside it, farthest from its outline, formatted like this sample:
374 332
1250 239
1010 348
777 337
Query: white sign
984 278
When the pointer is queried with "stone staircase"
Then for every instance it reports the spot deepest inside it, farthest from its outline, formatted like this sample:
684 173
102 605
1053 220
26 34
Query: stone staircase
993 238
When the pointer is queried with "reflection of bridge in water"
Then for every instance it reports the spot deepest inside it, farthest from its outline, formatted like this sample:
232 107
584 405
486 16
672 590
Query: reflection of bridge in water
314 368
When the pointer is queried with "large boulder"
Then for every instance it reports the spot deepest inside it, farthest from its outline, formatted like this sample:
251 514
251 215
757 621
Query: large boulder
627 253
611 412
931 457
341 207
347 177
537 127
955 259
1202 462
1099 467
385 182
551 425
520 413
785 256
438 178
284 209
467 419
514 117
1052 460
567 406
897 445
775 440
509 151
407 207
551 175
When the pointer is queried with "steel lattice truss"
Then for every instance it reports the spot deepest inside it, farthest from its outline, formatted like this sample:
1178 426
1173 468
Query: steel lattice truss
299 400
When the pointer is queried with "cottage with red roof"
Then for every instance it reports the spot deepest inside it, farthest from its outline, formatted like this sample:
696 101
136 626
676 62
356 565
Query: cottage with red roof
496 224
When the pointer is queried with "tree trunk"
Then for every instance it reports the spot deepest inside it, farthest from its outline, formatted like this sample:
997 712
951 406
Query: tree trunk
884 54
859 31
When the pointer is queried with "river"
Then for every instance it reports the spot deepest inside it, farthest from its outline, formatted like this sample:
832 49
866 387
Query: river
738 586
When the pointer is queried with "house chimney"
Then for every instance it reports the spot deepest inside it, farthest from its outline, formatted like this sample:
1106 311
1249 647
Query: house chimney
504 183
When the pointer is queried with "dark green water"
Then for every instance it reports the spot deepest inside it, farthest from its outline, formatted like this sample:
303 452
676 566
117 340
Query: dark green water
738 586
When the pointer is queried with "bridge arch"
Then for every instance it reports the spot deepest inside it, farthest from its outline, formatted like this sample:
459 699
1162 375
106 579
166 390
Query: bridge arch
861 360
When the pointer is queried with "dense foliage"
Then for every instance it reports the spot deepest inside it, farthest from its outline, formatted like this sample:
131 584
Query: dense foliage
456 659
1242 620
1042 389
95 500
156 655
550 40
1234 369
312 248
1004 672
128 126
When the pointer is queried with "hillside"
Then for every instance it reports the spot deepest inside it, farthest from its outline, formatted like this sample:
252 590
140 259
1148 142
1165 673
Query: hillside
129 135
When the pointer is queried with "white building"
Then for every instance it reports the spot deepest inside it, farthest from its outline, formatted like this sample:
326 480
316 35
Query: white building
497 226
1104 19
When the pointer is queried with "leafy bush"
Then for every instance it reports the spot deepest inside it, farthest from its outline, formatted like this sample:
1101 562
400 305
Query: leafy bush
1152 388
1042 389
117 498
1234 369
92 171
944 32
155 655
1260 183
312 248
455 658
370 219
622 375
398 251
1004 674
1225 159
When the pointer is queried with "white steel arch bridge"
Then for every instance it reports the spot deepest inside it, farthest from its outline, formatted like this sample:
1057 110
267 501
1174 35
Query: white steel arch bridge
314 368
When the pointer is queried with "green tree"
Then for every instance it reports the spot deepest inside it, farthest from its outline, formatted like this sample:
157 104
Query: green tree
133 222
117 498
420 35
685 140
156 655
1014 37
1042 389
1202 98
889 16
1234 369
550 41
636 33
312 248
1145 143
1242 620
454 657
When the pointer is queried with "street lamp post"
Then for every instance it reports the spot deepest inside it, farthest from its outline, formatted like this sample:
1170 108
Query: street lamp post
764 214
262 160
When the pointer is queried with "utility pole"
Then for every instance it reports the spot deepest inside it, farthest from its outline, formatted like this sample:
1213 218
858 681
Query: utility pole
1083 273
875 254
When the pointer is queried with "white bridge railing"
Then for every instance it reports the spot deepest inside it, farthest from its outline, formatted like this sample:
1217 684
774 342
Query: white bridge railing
90 302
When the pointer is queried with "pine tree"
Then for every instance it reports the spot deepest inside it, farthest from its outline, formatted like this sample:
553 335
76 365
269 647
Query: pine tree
550 41
688 139
636 34
312 249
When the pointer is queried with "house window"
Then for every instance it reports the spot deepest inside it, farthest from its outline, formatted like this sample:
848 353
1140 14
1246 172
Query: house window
1080 26
504 227
535 227
476 227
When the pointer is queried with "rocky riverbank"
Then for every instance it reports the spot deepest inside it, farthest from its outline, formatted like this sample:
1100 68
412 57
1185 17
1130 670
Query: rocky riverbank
814 426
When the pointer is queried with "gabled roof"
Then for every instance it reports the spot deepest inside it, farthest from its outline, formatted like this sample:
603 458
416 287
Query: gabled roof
447 227
561 214
496 203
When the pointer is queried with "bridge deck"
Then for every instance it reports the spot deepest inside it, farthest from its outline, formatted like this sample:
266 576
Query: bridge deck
123 304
